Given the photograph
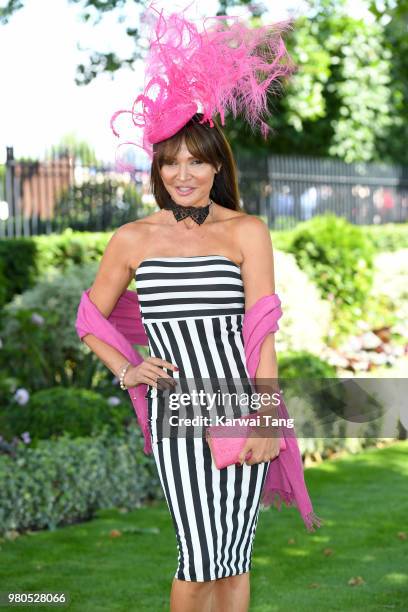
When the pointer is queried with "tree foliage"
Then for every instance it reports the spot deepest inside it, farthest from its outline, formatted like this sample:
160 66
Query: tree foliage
9 9
338 104
393 14
349 98
70 143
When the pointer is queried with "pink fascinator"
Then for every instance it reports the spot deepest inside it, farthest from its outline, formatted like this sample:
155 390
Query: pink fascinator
228 66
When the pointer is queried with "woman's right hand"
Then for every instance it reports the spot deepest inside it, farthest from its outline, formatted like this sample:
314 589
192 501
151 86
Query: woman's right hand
148 371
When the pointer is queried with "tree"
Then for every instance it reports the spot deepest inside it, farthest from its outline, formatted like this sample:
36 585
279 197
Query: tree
11 7
72 144
338 104
356 92
393 15
348 99
93 11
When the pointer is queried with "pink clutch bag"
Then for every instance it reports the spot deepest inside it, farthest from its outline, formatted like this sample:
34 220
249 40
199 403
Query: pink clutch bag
225 450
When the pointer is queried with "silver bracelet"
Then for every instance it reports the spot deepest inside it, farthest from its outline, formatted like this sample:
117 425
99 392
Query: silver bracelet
122 376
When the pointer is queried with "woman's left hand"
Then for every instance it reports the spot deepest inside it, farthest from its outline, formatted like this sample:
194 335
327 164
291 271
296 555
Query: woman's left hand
262 449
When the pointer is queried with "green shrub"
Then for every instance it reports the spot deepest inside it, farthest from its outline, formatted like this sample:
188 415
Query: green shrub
40 344
5 291
389 296
388 237
323 406
25 261
313 381
282 239
51 412
65 481
338 257
61 251
18 267
303 374
302 364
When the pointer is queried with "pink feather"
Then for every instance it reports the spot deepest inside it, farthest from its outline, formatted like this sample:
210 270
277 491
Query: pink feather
227 67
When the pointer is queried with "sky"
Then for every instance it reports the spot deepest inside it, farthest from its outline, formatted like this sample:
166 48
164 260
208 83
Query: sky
39 100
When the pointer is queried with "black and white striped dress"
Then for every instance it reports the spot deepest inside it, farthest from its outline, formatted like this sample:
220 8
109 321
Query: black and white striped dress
192 311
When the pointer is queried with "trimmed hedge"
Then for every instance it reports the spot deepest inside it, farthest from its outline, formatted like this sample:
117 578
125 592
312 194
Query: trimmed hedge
58 410
28 259
388 237
70 248
66 481
24 261
18 267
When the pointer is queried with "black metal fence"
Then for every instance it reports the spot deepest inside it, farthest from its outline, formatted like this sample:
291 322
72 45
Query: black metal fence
286 190
38 197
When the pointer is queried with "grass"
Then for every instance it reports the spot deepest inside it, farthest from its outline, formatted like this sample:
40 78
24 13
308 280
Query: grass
362 499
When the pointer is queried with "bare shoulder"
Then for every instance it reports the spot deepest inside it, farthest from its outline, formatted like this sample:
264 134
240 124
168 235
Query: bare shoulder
251 233
252 224
226 214
121 240
139 226
131 239
257 269
135 232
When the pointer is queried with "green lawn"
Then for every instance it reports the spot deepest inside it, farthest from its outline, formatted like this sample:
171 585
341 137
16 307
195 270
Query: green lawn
363 500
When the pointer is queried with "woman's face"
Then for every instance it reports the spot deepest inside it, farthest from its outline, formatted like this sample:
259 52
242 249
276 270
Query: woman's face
187 179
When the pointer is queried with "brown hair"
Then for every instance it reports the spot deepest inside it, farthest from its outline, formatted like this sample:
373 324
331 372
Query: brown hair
207 144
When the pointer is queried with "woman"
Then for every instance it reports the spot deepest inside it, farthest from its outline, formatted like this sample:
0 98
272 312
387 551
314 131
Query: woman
199 263
195 280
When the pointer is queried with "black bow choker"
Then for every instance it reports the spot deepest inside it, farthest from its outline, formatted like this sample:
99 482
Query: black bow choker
197 213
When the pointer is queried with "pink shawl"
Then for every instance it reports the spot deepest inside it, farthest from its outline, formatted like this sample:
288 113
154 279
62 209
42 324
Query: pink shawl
124 327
